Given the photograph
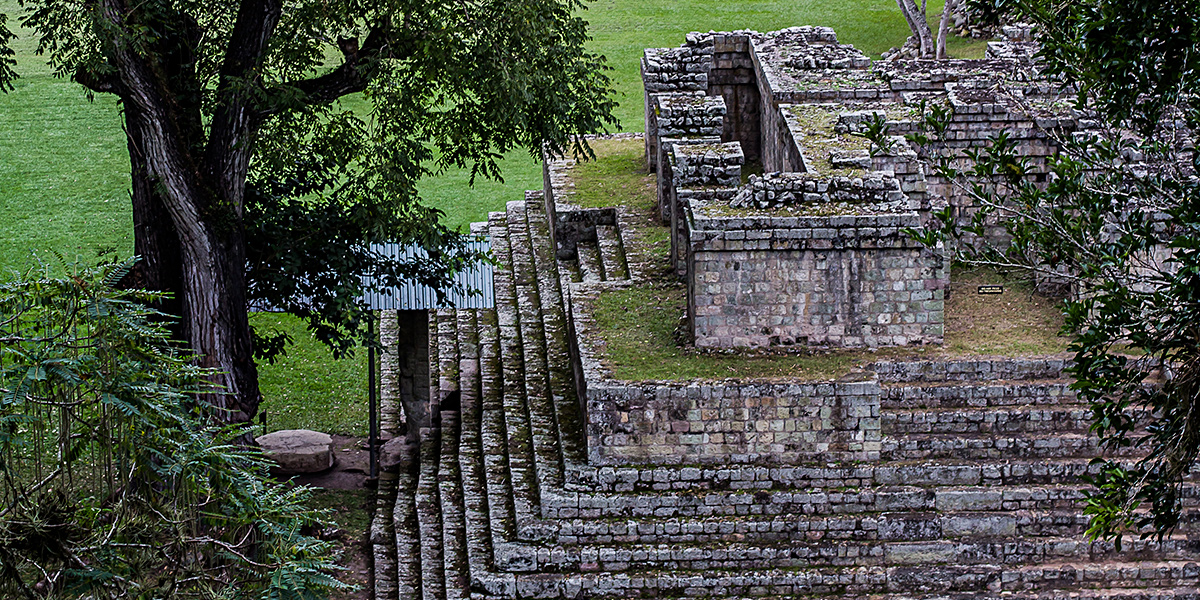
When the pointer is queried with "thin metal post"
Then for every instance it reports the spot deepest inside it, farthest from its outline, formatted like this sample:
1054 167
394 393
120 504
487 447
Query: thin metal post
372 399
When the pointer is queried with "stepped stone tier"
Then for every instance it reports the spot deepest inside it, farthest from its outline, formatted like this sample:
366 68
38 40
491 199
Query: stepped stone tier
815 252
532 471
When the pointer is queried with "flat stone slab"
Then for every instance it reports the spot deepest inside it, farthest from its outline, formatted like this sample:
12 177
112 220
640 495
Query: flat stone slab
298 450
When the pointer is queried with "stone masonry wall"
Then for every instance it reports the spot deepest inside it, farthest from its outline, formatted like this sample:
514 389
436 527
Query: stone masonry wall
707 423
671 70
849 281
698 166
681 119
716 422
404 372
732 78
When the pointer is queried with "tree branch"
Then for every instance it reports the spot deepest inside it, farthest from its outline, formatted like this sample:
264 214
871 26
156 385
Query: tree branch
101 84
350 77
227 155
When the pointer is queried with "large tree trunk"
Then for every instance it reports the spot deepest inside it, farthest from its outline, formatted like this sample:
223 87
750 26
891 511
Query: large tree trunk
918 25
205 269
188 190
155 240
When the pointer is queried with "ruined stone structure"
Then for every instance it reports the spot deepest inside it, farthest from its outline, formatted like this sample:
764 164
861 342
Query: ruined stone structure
815 252
541 475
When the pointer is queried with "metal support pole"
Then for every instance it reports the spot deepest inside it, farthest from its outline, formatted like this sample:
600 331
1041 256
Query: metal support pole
371 396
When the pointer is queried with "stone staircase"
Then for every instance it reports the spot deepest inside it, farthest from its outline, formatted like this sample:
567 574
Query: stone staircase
977 493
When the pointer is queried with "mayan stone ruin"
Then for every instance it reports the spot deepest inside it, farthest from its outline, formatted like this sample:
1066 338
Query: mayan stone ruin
533 471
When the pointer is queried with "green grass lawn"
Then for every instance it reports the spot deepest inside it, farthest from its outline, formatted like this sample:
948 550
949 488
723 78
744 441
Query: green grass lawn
64 168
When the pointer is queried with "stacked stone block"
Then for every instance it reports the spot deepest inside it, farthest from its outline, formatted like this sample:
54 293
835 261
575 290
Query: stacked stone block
716 423
504 504
696 166
681 119
847 281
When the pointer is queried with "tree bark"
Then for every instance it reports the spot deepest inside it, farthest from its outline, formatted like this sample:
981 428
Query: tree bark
202 198
944 25
918 25
155 240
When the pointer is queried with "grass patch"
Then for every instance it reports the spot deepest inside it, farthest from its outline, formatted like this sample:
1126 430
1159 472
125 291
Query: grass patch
639 327
1017 322
615 177
350 507
307 388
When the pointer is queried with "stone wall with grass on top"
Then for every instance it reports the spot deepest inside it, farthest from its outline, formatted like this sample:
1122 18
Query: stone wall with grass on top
844 281
715 422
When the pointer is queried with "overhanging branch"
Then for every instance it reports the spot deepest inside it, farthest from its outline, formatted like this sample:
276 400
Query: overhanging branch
350 77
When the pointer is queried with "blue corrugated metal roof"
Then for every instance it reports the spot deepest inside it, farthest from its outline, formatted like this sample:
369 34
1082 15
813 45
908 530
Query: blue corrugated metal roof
472 286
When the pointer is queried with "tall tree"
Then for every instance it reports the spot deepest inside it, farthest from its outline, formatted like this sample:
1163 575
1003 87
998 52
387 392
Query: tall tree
251 180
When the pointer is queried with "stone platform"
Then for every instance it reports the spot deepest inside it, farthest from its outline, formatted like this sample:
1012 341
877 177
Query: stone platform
975 491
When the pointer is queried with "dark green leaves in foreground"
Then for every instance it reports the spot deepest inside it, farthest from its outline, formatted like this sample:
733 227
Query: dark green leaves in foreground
112 484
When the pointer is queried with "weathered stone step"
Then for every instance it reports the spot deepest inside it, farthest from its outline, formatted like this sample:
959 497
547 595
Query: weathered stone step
498 488
539 409
749 478
1004 549
408 540
978 370
1101 575
382 538
470 459
1183 593
948 522
447 353
994 447
564 402
1008 419
849 581
980 394
450 499
571 270
591 266
894 583
612 253
429 518
517 440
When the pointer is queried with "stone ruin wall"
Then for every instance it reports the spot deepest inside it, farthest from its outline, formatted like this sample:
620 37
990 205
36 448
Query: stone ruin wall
736 422
851 285
927 478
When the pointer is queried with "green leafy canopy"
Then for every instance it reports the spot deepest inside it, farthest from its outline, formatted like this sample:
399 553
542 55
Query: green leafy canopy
355 103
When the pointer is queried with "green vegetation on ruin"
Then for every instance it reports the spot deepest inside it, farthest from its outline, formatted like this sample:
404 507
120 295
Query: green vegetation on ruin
639 327
818 140
617 176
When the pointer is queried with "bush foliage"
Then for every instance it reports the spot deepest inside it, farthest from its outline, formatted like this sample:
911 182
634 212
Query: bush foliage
115 480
